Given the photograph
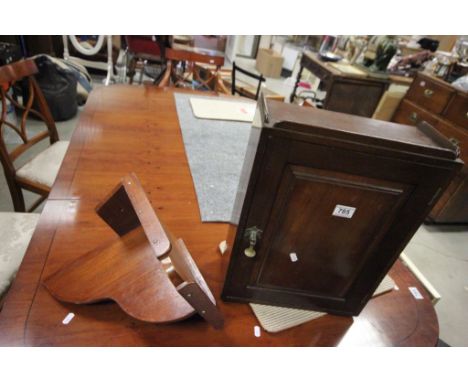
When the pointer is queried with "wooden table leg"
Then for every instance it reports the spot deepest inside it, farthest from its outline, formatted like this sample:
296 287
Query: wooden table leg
298 79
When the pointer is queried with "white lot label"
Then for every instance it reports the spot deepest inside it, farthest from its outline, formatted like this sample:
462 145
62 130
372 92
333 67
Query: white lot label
68 318
257 332
416 293
293 256
343 211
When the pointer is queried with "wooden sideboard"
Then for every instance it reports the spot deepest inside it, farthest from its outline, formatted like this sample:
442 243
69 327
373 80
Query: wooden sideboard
352 92
442 106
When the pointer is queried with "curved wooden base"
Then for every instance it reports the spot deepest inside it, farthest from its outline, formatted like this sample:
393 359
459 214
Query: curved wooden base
127 272
151 276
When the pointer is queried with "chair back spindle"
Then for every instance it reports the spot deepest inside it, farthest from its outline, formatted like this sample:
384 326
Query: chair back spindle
33 104
257 77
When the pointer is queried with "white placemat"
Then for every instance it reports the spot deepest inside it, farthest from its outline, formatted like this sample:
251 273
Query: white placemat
224 110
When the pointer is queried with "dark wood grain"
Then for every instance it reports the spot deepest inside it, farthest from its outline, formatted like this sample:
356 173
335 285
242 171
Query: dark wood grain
457 110
307 163
345 93
430 93
105 147
445 108
408 113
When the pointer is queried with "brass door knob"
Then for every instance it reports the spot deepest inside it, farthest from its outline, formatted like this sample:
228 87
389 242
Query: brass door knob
253 234
428 93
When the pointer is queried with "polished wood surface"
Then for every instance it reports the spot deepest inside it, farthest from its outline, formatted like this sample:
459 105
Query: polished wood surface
9 74
457 110
151 277
430 93
127 272
125 129
134 203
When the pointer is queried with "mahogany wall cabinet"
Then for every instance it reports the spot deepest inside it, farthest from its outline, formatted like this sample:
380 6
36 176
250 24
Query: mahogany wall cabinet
326 203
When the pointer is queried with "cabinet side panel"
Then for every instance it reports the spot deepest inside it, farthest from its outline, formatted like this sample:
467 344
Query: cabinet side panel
247 167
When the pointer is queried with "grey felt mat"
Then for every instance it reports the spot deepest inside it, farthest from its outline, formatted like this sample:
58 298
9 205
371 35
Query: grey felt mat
215 151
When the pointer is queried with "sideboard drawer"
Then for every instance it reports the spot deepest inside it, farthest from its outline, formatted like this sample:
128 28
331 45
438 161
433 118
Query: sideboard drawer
430 94
457 110
410 114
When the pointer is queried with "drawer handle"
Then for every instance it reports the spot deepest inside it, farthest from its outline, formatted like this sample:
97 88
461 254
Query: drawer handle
413 116
428 93
454 141
466 115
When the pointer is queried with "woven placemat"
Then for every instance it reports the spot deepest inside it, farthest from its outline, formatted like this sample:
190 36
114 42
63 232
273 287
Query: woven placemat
275 319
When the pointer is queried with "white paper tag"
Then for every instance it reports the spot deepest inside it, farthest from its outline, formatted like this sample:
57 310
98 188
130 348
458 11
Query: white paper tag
68 318
223 247
415 292
343 211
257 331
293 256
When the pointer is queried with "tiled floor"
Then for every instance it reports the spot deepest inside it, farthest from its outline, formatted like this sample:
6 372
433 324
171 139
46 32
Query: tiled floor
440 252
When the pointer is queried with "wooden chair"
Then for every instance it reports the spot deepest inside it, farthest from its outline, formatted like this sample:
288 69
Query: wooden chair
307 98
39 173
187 75
238 90
142 50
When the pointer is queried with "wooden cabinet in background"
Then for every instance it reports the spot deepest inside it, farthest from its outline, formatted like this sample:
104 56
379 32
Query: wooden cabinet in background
326 203
446 109
351 93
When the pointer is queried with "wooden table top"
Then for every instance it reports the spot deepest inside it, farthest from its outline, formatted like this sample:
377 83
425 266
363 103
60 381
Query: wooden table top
135 128
202 51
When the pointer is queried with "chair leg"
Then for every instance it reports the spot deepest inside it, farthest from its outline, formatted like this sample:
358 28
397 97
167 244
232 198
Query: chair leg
131 69
17 198
142 71
16 192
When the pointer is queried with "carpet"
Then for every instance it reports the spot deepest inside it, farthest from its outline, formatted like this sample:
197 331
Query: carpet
215 152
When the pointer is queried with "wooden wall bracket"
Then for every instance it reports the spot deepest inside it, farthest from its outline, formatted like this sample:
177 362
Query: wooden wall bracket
148 273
